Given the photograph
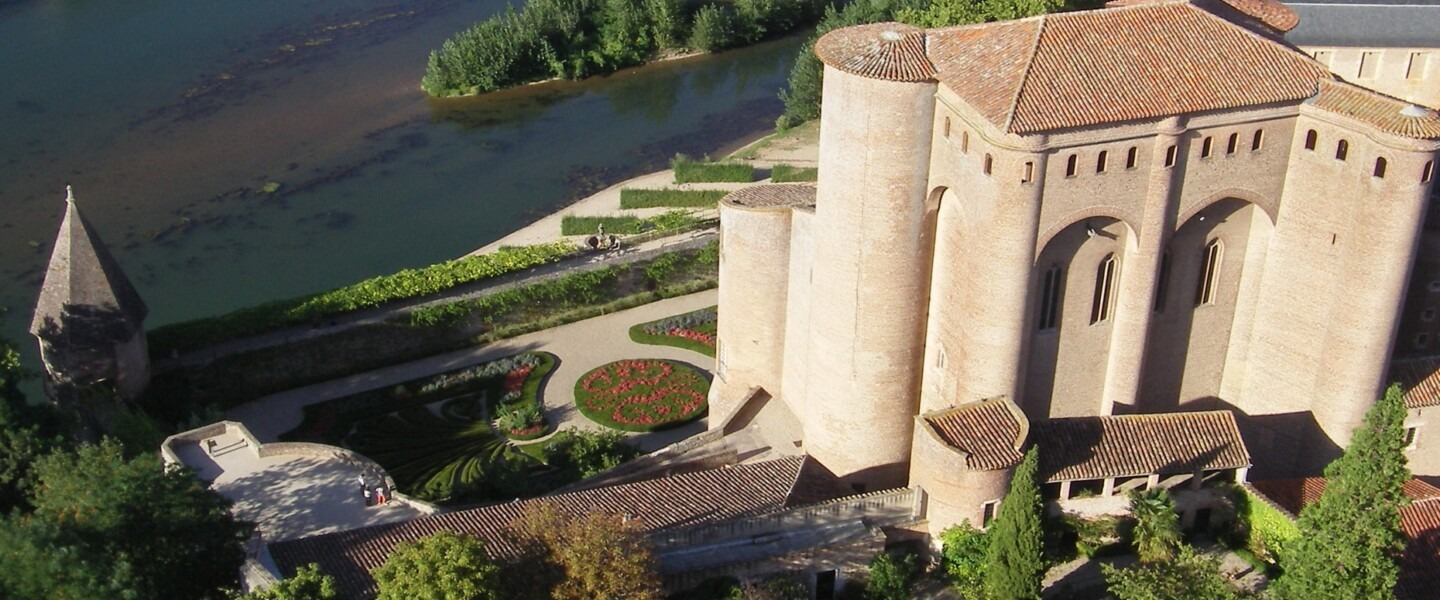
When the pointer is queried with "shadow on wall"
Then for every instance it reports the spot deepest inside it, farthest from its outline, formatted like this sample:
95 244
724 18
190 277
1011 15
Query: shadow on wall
1282 445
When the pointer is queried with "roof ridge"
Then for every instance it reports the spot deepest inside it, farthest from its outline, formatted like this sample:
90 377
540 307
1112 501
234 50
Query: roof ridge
1273 40
1025 77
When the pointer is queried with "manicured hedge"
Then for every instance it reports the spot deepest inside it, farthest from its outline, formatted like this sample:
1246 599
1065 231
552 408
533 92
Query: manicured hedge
642 395
674 220
410 283
434 457
792 174
688 170
694 331
639 198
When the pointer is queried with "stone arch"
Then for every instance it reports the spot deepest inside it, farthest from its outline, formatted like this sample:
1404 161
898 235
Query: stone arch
1080 216
1270 207
1193 337
1067 360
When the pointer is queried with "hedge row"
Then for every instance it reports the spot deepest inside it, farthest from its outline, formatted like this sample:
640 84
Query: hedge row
689 170
638 198
793 174
410 283
674 220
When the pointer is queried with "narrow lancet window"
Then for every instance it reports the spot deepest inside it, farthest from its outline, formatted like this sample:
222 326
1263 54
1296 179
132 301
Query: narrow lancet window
1101 309
1209 274
1050 299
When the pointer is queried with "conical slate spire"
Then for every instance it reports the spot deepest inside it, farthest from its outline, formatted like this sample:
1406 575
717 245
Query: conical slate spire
83 274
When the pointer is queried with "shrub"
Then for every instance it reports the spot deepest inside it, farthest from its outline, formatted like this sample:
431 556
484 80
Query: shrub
791 174
963 558
688 170
587 453
892 578
1266 530
626 224
642 395
631 198
714 28
410 283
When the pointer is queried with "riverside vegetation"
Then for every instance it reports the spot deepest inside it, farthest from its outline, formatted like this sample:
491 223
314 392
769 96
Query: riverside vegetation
573 39
241 377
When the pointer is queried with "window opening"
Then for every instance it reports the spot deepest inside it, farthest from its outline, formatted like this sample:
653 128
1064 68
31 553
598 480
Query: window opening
1342 149
1412 434
1104 291
1427 172
1130 157
1427 314
1416 68
1311 138
1380 165
1100 161
1205 147
1369 63
1050 299
1257 140
1029 172
947 127
1162 283
1233 144
988 512
1422 341
1209 274
1070 165
1170 156
989 163
965 141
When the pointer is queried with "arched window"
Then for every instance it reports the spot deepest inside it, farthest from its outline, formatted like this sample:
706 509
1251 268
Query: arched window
1170 154
1257 140
1205 147
989 163
1131 156
1162 283
1209 274
1342 149
947 127
965 141
1100 161
1050 299
1311 139
1234 144
1070 165
1427 172
1104 303
1380 165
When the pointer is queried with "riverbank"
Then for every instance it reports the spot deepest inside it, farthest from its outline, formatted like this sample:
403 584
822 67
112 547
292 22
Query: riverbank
798 147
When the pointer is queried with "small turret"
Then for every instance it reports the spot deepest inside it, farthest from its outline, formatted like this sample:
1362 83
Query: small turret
89 320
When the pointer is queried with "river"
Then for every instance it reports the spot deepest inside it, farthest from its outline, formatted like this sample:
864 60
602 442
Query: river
170 118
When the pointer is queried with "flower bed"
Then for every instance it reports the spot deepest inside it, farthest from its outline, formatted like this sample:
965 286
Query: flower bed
452 456
642 395
693 331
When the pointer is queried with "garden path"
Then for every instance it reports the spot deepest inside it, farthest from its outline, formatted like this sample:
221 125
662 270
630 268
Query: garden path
580 346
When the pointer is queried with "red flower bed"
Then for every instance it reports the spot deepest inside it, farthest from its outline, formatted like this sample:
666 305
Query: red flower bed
515 380
690 334
642 395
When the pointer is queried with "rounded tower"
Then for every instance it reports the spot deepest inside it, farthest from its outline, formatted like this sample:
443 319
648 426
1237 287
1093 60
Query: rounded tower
872 239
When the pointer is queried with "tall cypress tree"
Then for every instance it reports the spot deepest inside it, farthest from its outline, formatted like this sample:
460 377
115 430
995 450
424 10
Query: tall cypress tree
1350 537
1014 564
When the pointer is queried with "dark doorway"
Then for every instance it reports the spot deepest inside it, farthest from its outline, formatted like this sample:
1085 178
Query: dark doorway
1202 520
825 585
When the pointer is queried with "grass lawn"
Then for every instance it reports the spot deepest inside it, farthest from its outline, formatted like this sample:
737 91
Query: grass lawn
694 331
642 395
792 174
692 171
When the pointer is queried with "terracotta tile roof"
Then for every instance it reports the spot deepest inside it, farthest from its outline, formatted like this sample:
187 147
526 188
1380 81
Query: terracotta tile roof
1387 114
989 432
672 502
1117 64
1270 12
1420 378
1294 494
1419 523
1125 446
887 51
773 195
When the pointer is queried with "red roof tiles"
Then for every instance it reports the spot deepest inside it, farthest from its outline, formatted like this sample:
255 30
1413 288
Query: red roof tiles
671 502
990 433
1125 446
886 51
774 195
1420 378
1378 110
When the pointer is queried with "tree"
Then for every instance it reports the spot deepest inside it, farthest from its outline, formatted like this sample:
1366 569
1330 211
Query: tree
1014 564
892 578
599 555
1157 527
944 13
307 584
583 454
1189 576
962 556
104 524
444 566
1350 537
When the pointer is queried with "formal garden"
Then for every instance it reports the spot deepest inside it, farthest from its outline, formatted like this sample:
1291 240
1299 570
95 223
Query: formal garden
694 330
642 395
443 437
